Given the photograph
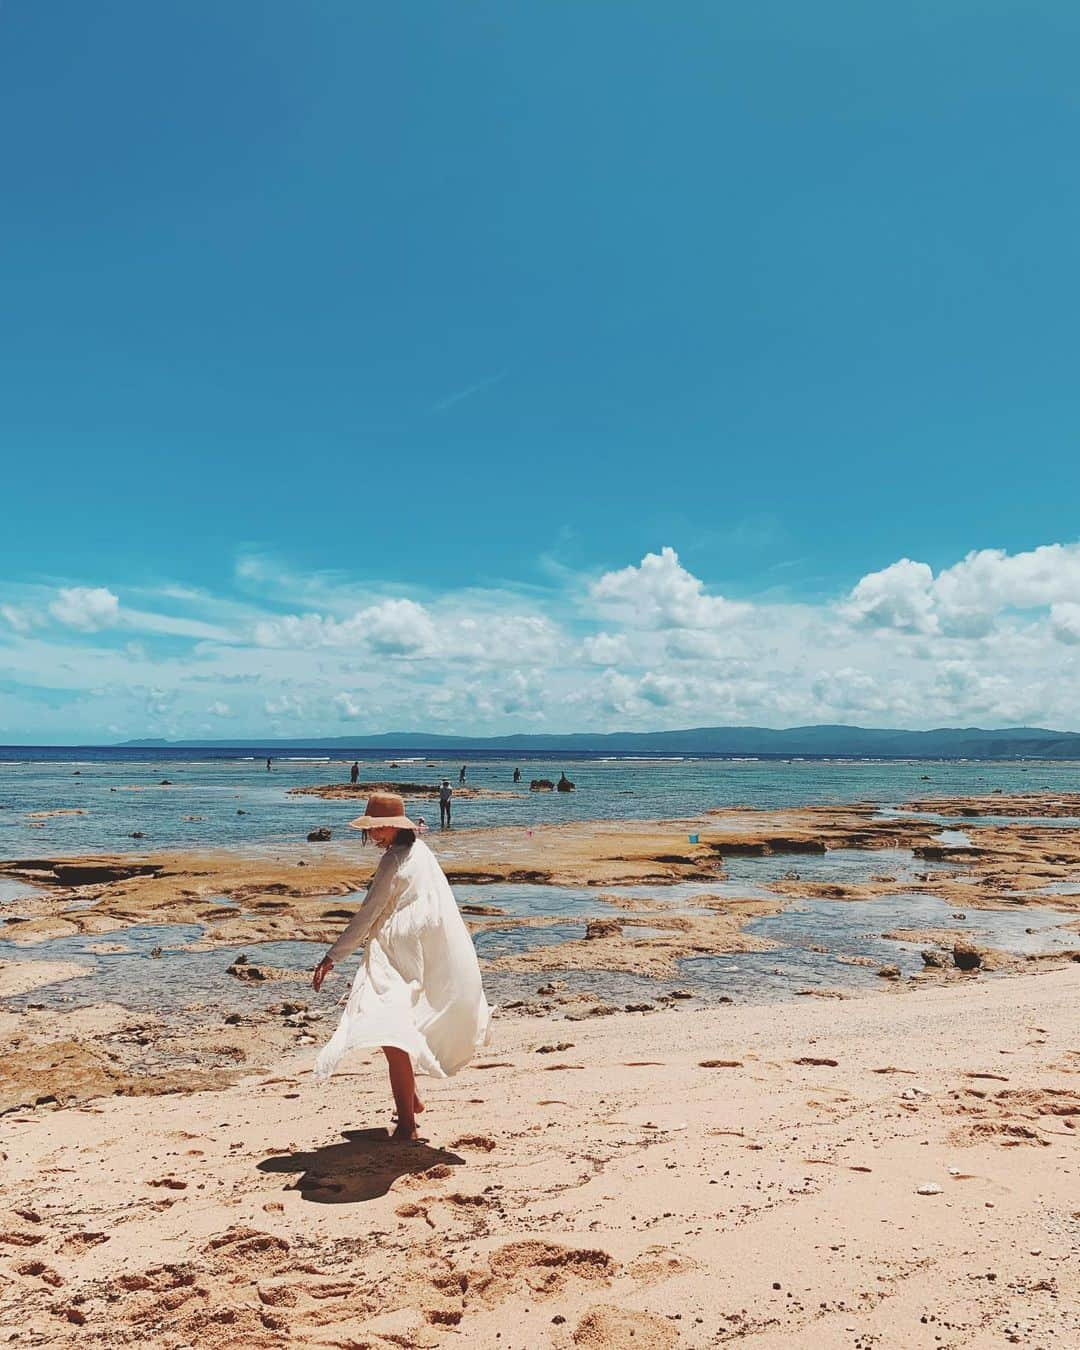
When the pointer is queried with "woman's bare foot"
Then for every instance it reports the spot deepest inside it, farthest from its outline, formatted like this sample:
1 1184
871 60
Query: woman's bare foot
406 1130
417 1104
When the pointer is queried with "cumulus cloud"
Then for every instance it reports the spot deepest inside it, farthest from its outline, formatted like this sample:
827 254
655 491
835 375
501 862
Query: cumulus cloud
403 628
394 627
899 596
346 705
993 638
1065 622
660 593
87 608
966 599
606 649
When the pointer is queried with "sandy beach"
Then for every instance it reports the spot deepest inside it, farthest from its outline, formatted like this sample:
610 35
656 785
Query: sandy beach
746 1175
888 1168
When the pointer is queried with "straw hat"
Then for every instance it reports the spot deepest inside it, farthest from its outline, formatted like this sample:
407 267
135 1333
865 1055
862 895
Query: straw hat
385 810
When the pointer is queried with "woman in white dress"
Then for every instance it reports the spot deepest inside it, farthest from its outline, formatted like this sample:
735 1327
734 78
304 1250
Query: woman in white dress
417 992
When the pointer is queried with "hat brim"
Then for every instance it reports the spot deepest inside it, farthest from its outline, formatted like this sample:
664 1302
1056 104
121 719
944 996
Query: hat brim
383 823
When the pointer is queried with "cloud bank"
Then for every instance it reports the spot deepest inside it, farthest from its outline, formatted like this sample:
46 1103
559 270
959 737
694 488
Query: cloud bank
993 638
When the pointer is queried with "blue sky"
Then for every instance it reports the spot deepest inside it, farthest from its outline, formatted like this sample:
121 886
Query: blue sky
308 309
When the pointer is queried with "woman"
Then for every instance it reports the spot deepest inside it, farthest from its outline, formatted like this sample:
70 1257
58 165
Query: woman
418 991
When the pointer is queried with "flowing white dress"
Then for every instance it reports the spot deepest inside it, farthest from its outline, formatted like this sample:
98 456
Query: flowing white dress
418 986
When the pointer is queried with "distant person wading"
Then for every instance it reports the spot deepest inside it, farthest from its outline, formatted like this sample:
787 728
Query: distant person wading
446 793
354 773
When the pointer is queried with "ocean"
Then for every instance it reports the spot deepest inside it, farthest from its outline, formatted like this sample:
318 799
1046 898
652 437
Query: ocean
199 799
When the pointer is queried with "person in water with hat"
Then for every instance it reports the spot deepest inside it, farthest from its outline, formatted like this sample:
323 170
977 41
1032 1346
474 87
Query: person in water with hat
417 993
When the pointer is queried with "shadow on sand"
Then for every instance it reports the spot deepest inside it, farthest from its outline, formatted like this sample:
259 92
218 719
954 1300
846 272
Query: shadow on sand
363 1168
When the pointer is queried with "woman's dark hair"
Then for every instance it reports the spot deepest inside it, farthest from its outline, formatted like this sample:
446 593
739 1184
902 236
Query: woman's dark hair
402 838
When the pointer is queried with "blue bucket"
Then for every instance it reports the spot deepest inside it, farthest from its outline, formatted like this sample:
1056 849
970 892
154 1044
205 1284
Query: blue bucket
693 838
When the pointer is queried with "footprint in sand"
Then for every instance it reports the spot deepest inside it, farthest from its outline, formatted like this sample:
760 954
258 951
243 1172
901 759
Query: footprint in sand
480 1142
818 1061
81 1242
624 1329
720 1064
38 1270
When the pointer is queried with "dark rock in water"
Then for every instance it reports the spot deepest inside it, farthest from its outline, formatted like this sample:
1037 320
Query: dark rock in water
640 1007
481 909
564 784
246 971
240 812
319 836
541 785
241 960
86 873
233 1019
165 782
155 952
933 958
966 957
603 928
889 972
137 834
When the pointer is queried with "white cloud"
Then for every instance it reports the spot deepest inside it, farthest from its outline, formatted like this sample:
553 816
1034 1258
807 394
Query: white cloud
1065 622
16 618
606 649
967 599
87 608
992 639
661 593
286 705
346 706
899 596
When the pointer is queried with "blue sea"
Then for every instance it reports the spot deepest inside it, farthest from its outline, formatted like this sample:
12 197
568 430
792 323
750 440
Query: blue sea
180 798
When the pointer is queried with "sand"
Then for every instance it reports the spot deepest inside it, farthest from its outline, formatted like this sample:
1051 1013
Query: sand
600 1178
747 1175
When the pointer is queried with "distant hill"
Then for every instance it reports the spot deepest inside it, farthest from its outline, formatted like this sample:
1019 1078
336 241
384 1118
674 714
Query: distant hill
818 741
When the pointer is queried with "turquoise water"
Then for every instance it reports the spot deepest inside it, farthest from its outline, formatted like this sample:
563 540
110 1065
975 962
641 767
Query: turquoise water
235 803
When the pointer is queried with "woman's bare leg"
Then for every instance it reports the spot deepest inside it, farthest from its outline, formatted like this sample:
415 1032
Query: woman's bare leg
403 1086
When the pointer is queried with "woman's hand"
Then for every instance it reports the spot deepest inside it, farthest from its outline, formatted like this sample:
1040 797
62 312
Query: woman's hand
323 969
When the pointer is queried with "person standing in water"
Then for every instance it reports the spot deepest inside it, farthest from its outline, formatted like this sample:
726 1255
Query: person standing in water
354 772
446 793
418 993
517 775
461 776
268 764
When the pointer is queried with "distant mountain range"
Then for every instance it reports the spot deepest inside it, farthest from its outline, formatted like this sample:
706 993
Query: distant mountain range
820 741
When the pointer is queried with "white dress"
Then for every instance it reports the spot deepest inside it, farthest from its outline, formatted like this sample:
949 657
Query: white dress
418 986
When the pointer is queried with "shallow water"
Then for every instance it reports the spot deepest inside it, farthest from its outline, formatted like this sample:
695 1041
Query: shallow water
178 979
235 803
10 889
855 928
